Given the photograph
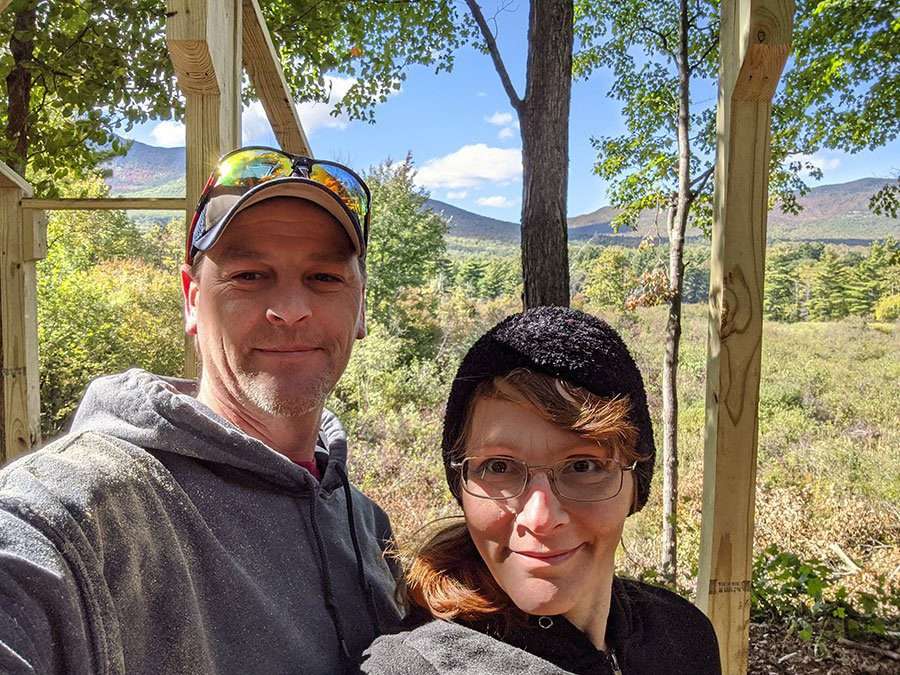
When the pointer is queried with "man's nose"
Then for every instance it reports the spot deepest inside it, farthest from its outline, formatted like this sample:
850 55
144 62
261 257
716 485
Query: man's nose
540 510
288 306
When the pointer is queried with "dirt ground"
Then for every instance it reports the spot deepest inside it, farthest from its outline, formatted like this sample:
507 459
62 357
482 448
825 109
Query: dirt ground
774 652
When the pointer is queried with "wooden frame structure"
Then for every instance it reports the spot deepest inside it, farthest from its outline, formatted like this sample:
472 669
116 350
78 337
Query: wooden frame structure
209 41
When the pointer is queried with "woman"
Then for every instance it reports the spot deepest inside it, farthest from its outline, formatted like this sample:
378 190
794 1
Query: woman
547 447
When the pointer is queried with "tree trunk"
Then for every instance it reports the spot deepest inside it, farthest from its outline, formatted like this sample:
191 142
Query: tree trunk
544 122
18 88
677 226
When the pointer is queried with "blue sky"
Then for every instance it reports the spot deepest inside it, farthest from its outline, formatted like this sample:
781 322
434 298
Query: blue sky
463 136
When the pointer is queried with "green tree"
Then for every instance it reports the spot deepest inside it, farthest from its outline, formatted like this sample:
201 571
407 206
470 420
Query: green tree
611 280
829 290
77 71
781 301
407 241
871 277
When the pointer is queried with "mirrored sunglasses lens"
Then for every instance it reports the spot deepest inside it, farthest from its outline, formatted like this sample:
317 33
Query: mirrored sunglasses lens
252 167
345 185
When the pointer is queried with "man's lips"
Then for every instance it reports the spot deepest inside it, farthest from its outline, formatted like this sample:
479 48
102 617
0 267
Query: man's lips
291 349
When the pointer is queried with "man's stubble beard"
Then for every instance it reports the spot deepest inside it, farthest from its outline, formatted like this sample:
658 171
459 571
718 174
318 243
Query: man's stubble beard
306 396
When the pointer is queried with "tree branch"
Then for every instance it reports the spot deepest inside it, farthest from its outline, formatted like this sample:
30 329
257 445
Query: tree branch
706 52
663 37
491 43
702 180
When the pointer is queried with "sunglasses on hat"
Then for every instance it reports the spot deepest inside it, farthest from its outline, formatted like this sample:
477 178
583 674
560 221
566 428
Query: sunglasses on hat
246 171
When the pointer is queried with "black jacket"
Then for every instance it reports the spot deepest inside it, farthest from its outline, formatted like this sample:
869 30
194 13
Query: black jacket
650 631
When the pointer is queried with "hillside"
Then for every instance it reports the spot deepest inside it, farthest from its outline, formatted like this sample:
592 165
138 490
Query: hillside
830 212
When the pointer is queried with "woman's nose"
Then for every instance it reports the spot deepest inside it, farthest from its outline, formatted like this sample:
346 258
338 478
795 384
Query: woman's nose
540 510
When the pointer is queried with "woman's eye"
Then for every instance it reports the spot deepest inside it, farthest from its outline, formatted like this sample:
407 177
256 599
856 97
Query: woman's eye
586 465
497 466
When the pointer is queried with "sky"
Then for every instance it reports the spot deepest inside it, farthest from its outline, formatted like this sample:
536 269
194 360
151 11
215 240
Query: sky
463 135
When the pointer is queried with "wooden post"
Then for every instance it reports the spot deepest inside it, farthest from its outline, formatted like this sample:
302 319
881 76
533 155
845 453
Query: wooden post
204 41
754 43
23 237
264 68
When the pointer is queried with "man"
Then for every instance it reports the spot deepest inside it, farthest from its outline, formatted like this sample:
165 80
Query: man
198 529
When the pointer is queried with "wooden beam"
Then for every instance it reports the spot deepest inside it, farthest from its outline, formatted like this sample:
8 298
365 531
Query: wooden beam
108 204
263 64
204 41
755 40
21 243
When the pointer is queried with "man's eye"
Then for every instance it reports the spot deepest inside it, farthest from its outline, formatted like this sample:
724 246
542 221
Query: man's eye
247 276
326 278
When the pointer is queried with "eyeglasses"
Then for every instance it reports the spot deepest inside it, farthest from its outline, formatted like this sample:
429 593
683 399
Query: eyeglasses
246 168
580 479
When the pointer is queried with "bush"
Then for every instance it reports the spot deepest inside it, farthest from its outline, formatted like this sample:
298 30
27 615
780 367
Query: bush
806 596
105 319
888 308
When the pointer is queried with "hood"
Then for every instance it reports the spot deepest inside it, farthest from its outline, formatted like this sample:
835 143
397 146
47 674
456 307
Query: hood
161 414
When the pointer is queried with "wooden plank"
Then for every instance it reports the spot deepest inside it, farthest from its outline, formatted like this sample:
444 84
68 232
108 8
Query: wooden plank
108 204
754 44
4 4
263 65
10 179
204 41
20 405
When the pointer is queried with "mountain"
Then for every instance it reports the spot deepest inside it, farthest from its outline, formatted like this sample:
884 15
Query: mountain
830 212
147 170
473 226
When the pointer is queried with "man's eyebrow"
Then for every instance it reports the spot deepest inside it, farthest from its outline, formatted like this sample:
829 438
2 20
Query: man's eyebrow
230 253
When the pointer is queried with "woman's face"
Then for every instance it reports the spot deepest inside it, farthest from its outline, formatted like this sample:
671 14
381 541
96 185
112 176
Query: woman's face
551 556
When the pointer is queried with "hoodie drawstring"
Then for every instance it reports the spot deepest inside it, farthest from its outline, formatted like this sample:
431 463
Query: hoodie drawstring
367 591
326 580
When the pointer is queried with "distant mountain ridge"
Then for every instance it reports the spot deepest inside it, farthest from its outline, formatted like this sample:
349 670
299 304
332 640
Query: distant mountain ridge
830 212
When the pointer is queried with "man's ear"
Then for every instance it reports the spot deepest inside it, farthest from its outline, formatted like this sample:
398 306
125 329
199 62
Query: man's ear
190 289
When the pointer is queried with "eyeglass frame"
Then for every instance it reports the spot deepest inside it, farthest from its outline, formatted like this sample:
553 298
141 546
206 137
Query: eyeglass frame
546 468
296 161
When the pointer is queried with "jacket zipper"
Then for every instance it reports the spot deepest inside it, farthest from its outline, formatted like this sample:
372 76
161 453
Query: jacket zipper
614 662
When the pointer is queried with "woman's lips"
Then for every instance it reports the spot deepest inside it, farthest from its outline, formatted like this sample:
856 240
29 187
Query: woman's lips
549 557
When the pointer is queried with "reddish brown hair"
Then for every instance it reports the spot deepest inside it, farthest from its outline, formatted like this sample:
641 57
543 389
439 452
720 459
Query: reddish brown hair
445 573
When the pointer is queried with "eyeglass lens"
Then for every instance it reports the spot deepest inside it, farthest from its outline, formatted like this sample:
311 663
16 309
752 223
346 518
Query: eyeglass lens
579 478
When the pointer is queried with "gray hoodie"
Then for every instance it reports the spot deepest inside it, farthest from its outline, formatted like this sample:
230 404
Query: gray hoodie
158 538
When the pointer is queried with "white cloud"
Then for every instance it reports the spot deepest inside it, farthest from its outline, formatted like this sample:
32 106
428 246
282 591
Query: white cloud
314 116
500 119
818 160
470 166
496 201
168 134
459 194
481 94
255 127
506 132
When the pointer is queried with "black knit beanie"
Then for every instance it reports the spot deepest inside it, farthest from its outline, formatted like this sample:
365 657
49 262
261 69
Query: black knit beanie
563 343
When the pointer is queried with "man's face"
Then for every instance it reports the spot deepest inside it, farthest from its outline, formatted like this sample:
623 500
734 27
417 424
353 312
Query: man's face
276 305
